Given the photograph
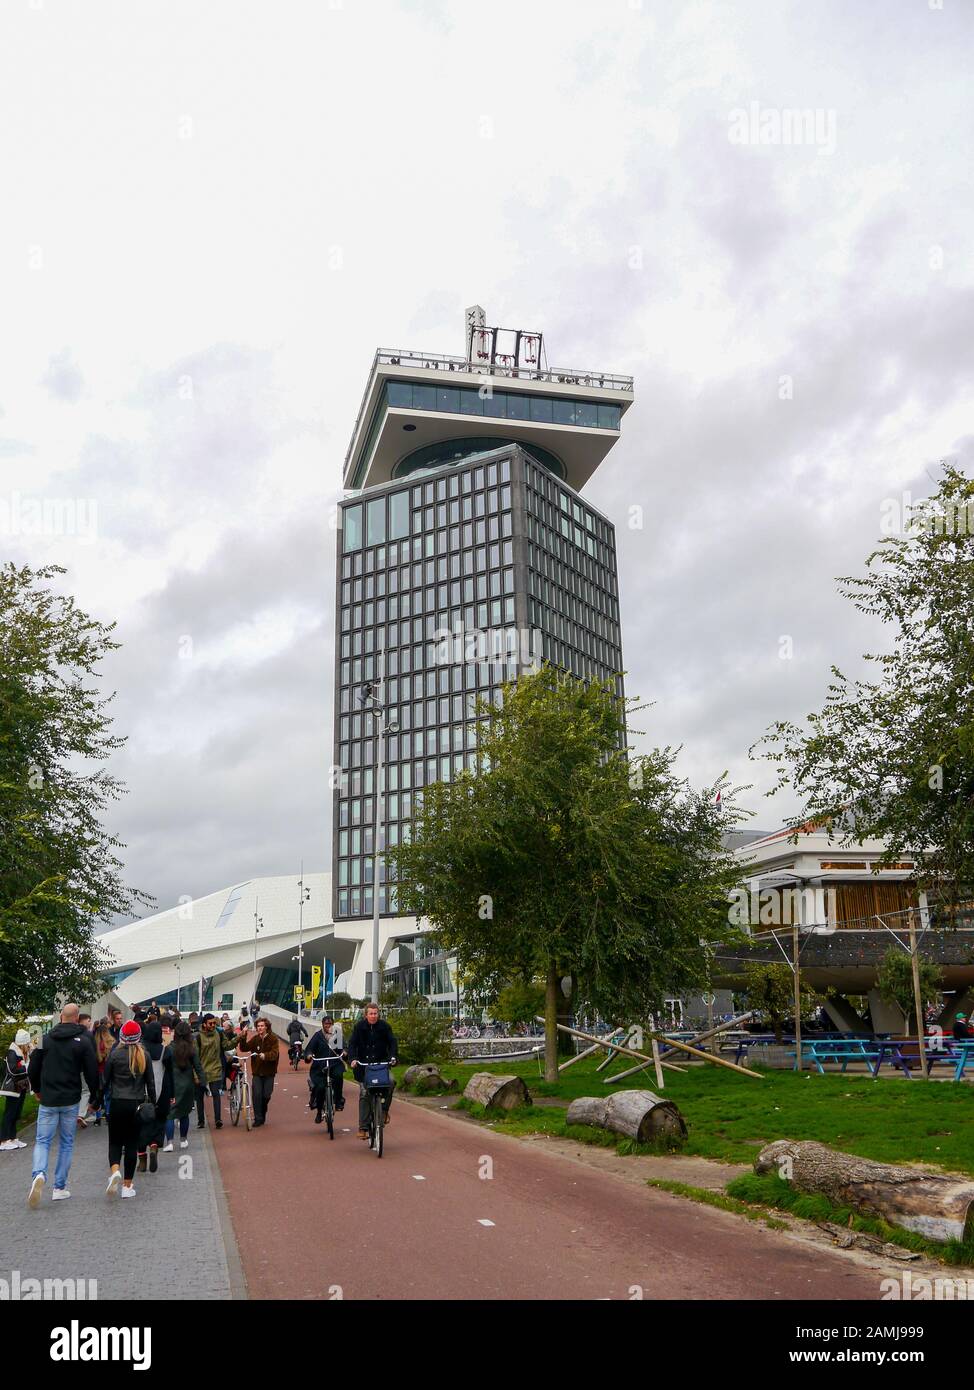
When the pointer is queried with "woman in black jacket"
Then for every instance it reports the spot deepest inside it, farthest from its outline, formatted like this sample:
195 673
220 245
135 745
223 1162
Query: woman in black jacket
129 1078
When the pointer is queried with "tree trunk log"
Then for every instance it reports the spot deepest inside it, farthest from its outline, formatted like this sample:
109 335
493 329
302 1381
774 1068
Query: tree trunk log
497 1092
934 1204
640 1115
426 1075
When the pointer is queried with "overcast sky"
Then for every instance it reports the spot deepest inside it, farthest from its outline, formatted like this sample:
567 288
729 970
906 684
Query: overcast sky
214 213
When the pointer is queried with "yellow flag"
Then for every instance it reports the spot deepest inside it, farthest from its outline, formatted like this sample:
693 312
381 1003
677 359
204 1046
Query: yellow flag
315 981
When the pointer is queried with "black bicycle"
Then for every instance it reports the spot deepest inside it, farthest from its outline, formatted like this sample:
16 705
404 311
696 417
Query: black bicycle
328 1104
294 1053
377 1080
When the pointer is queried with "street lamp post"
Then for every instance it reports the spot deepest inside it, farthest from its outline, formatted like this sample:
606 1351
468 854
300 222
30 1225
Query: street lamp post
370 698
258 923
303 895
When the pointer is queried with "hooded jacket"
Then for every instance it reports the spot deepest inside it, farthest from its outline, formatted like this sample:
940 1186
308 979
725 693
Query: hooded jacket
57 1066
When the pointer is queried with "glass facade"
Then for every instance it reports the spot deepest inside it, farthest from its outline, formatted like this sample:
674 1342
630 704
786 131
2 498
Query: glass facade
461 579
498 405
503 405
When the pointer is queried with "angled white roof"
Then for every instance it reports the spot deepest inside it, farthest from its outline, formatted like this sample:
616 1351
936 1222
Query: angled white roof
224 919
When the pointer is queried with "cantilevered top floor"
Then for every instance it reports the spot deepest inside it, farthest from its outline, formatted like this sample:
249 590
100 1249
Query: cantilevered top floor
421 410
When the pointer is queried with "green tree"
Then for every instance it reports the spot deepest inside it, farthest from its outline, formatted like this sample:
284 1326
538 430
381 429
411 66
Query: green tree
338 1002
894 981
59 871
421 1032
521 1001
893 758
770 989
560 857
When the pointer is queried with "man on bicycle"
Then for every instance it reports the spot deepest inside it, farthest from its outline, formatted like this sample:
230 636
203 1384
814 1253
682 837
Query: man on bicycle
295 1032
372 1040
322 1046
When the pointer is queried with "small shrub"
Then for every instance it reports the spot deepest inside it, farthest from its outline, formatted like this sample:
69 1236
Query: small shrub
421 1033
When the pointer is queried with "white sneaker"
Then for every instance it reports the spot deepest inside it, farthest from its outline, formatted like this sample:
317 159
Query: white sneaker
60 1194
17 1144
128 1191
7 1145
184 1143
167 1148
36 1192
114 1183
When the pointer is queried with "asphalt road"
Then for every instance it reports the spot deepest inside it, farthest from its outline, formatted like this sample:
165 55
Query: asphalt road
455 1212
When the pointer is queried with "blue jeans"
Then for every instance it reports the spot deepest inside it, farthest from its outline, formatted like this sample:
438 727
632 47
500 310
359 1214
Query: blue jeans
51 1119
171 1128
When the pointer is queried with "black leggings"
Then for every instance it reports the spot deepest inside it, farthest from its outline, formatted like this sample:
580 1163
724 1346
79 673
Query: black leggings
123 1135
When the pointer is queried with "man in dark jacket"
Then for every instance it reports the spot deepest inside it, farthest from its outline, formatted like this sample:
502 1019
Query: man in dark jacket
372 1040
295 1032
54 1073
321 1047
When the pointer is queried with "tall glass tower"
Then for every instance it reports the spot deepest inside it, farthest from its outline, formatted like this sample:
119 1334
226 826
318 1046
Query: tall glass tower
465 555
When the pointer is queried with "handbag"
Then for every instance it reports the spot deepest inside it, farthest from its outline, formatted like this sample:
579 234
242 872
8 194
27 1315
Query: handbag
147 1113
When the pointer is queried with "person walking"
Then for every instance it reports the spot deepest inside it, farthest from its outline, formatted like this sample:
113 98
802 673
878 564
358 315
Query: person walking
130 1080
103 1043
266 1051
152 1132
372 1040
14 1089
54 1073
182 1073
212 1046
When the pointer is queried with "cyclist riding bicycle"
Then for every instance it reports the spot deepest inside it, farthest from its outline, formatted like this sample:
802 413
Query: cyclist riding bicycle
372 1040
295 1032
323 1046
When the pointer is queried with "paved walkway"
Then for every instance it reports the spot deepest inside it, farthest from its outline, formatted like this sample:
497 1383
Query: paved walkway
117 1243
454 1211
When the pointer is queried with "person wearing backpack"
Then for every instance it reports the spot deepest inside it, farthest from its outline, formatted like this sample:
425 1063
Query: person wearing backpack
15 1087
54 1072
130 1080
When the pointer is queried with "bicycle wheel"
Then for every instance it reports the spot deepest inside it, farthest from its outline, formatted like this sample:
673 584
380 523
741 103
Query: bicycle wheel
245 1105
330 1113
235 1103
378 1124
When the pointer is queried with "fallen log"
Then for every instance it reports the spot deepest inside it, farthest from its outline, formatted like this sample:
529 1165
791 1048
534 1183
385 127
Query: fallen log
426 1076
934 1204
639 1115
497 1092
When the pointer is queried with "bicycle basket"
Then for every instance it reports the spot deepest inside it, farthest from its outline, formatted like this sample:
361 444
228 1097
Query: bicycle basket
377 1075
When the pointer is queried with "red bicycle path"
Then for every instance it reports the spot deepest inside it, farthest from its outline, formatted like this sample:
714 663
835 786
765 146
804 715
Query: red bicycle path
456 1212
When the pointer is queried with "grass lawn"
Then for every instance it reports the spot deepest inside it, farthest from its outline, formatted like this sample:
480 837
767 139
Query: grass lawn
730 1117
